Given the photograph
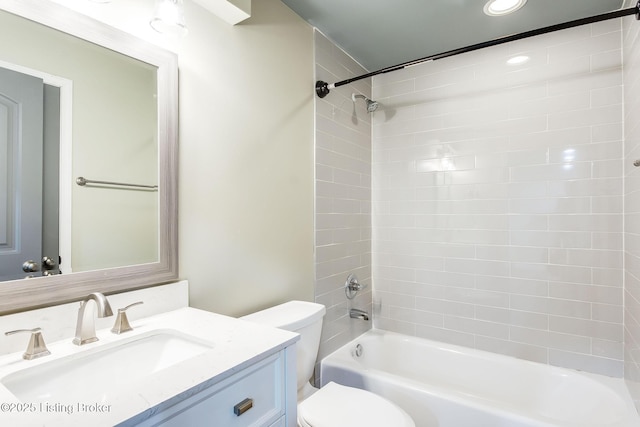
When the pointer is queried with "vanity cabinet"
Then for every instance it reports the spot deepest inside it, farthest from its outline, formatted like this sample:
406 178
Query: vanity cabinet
279 423
252 397
203 369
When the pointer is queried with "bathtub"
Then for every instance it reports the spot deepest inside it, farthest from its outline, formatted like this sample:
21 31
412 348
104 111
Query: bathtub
442 385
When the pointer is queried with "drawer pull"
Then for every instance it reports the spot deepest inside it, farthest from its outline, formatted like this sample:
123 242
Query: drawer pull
243 406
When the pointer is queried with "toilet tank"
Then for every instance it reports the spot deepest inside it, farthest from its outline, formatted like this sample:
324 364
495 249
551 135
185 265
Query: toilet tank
302 317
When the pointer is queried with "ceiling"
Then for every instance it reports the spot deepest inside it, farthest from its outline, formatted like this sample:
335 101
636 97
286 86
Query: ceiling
383 33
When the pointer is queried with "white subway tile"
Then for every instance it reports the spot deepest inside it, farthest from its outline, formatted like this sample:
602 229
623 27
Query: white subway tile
586 293
584 362
568 205
477 327
511 348
611 241
550 306
586 327
608 26
587 257
493 314
513 285
445 278
606 96
445 335
499 207
608 313
595 223
439 306
527 222
552 172
608 349
607 132
607 204
607 168
528 320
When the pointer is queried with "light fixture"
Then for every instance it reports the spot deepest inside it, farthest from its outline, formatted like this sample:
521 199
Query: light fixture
502 7
169 18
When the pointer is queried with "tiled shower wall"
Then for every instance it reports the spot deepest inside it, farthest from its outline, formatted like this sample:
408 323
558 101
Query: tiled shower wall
631 55
343 196
498 199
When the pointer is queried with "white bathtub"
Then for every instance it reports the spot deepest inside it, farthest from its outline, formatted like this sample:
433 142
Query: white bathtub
442 385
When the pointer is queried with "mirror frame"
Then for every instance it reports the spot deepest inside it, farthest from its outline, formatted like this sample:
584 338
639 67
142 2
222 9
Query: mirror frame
21 295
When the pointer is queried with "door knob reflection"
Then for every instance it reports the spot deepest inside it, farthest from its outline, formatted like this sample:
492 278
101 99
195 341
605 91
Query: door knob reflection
48 263
30 266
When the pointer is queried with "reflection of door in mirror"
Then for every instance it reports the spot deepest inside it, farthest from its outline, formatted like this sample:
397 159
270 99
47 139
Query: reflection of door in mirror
109 132
22 184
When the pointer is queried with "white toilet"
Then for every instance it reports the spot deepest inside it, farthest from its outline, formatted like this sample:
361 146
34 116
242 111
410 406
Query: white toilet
333 405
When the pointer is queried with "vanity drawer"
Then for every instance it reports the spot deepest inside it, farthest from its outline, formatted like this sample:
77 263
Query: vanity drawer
253 397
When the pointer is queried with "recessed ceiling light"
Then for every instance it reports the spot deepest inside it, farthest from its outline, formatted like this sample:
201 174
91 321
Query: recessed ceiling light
502 7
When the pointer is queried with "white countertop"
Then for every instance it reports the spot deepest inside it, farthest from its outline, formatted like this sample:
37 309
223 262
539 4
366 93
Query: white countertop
237 344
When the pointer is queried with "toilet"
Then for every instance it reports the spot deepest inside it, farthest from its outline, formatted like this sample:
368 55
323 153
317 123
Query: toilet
333 405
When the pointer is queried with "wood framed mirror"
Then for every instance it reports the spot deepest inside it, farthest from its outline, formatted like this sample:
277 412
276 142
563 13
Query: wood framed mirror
86 239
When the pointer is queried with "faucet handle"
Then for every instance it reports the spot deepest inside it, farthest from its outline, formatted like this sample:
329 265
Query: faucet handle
122 322
352 286
36 347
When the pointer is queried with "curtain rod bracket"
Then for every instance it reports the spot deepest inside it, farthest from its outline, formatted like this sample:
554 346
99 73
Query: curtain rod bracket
322 88
638 11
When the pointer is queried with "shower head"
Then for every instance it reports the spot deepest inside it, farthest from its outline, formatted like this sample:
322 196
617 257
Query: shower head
371 105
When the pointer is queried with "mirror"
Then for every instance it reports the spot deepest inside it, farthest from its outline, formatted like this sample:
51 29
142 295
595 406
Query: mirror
118 122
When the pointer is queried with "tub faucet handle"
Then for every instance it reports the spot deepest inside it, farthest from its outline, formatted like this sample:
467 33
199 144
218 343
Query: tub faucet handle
352 286
122 322
36 347
356 313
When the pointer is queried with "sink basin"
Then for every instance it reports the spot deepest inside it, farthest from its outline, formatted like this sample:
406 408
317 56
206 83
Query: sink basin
91 373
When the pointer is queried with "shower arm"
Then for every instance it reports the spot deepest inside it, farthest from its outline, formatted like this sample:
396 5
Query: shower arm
323 88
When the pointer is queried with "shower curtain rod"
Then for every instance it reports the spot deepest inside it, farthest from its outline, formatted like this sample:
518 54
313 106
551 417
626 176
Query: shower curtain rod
323 88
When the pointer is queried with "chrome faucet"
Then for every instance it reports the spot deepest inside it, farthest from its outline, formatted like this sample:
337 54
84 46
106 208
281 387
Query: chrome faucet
355 313
86 326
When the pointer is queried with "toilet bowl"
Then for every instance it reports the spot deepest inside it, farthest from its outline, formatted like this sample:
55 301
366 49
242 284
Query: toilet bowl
333 405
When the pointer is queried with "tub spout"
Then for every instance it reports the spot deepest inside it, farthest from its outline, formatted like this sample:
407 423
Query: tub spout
355 313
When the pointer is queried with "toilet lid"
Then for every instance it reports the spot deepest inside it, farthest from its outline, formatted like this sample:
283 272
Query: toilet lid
335 405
